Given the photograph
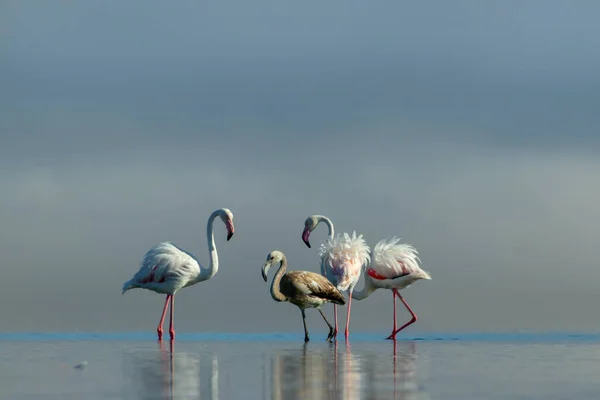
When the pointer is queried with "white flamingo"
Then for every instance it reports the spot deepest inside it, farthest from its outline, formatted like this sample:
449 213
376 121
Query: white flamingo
342 260
392 265
311 224
166 268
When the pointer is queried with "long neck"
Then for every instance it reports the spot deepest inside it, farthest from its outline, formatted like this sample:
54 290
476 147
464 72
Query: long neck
328 223
366 291
275 285
213 266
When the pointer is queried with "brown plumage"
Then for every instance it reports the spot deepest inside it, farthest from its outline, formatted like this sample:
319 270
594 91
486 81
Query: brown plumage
295 285
302 288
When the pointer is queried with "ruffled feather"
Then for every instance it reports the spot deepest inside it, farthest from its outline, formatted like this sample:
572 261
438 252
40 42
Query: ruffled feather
392 260
342 258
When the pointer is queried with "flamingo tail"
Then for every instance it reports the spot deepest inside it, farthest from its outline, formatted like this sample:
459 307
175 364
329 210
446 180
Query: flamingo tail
127 286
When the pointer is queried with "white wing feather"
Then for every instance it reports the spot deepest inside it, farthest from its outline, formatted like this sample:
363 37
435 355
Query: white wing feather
342 258
164 265
392 259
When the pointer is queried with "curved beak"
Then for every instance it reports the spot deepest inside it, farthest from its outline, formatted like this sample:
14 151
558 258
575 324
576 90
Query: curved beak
230 229
265 269
305 236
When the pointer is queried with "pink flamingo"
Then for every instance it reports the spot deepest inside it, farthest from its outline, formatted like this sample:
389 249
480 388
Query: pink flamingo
166 268
342 259
391 266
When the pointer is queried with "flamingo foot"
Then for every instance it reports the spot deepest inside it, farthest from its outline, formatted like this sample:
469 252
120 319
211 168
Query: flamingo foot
393 335
306 338
412 320
160 333
346 334
331 335
172 333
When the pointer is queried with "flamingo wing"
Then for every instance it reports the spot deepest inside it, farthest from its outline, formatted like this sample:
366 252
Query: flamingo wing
391 259
164 263
312 284
342 259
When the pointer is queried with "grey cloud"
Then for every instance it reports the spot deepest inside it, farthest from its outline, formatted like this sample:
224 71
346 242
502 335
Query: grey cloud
501 70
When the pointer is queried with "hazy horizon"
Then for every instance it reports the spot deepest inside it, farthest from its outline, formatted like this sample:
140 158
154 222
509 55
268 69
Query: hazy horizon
470 130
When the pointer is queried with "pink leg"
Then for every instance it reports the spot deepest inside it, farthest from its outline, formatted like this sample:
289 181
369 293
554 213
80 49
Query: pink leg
412 321
171 327
395 358
347 333
335 329
394 294
159 330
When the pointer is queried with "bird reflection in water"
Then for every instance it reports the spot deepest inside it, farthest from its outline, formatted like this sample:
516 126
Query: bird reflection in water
340 374
171 375
404 382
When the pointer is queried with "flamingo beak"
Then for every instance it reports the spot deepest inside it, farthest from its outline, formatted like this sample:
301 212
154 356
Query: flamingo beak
265 269
305 236
230 229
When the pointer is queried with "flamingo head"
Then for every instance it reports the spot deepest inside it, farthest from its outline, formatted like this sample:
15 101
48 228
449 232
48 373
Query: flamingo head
227 218
273 258
309 225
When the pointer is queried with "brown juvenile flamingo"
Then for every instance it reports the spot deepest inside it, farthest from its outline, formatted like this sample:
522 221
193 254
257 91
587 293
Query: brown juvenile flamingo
304 289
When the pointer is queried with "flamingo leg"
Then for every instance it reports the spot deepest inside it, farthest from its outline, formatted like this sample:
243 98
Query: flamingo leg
347 332
412 320
159 330
330 336
171 326
306 338
394 293
335 329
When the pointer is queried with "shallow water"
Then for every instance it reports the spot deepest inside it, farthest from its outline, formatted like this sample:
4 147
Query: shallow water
213 366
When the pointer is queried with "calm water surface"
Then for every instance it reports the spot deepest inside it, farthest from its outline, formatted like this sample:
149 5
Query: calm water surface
132 366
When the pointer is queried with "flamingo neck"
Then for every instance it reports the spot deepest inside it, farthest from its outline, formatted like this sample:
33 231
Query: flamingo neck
366 291
213 266
322 218
275 285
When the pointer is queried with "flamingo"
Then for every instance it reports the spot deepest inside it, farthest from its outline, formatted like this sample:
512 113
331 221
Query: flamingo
304 289
342 259
166 268
311 224
392 265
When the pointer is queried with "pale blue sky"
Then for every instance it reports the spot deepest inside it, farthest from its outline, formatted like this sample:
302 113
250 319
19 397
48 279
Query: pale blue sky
468 129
